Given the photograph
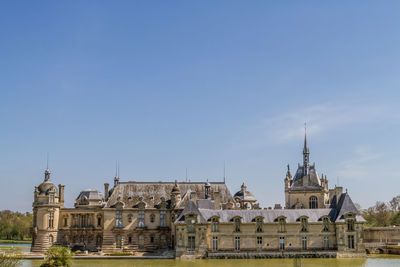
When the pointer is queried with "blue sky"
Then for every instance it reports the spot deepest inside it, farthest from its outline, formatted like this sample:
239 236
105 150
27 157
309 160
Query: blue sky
163 86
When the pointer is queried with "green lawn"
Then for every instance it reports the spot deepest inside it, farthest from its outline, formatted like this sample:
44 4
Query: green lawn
6 241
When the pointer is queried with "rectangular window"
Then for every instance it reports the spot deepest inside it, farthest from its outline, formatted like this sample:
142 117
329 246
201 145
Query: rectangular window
129 240
215 243
190 225
303 224
118 218
214 225
51 219
281 243
237 243
65 221
350 225
141 218
163 221
98 221
191 243
237 225
118 242
259 228
259 242
326 224
326 242
350 239
304 242
51 200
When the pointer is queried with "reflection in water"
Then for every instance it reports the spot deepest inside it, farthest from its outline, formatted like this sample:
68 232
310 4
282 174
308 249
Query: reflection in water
379 262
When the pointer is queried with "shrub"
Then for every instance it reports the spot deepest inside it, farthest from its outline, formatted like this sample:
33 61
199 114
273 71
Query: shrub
57 256
10 257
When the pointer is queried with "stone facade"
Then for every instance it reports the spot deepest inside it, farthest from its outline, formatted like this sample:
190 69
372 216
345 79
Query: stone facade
201 219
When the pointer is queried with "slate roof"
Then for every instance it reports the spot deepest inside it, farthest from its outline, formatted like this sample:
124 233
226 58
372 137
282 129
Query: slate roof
335 213
152 192
312 177
90 194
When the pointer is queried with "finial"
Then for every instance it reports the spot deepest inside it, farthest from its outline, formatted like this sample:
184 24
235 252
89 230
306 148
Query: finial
224 173
288 168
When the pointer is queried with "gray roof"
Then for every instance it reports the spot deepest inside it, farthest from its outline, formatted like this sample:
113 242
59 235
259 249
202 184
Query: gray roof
269 216
152 192
90 194
310 180
335 213
244 194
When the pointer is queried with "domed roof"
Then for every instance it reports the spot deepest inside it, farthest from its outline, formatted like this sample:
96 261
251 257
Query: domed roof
47 186
244 194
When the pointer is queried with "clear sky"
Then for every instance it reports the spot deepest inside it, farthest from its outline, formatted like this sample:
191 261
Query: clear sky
163 86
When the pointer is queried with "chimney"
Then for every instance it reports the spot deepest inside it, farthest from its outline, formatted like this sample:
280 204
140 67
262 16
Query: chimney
106 185
217 200
338 193
61 193
193 197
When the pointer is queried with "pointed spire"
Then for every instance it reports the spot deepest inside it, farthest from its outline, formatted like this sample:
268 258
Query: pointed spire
47 171
288 174
306 153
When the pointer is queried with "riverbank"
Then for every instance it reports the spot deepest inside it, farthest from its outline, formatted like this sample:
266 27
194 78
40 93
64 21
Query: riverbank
8 241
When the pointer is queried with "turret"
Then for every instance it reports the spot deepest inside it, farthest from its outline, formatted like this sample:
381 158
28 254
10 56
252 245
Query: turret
175 195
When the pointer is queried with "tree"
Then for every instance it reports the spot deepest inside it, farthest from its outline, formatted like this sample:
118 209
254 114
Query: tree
395 203
57 256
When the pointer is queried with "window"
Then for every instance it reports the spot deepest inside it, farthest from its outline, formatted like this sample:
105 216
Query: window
190 225
65 221
350 225
129 239
118 241
151 239
237 224
152 218
214 225
118 218
163 218
51 219
325 221
51 239
304 242
259 242
51 198
237 243
141 241
326 242
259 225
281 228
313 202
130 218
191 243
163 240
99 221
350 242
281 243
303 224
215 243
141 218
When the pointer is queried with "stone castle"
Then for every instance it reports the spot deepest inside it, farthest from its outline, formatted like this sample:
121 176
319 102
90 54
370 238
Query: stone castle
202 219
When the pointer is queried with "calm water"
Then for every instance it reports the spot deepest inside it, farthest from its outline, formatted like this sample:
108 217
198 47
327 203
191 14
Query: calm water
382 261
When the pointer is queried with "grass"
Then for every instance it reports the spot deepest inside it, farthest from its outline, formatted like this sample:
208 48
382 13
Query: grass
8 241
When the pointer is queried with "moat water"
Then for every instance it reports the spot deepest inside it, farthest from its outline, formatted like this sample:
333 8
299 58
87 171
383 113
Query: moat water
383 261
374 260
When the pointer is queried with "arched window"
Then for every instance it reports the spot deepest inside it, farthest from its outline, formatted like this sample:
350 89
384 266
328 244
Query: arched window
163 218
141 218
118 218
325 221
152 218
313 202
51 220
51 239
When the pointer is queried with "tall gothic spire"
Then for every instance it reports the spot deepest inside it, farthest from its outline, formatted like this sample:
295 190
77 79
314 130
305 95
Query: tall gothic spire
306 153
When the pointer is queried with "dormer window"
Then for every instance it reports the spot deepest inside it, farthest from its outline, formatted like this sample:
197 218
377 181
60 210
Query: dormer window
152 218
51 198
51 220
304 224
190 224
214 225
237 224
325 222
259 225
350 225
282 225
